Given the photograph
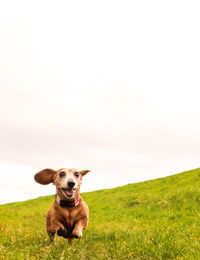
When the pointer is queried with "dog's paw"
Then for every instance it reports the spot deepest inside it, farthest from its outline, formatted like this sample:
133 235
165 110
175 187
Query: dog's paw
62 233
77 233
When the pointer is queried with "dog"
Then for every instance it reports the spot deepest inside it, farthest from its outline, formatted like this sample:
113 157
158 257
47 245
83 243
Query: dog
69 214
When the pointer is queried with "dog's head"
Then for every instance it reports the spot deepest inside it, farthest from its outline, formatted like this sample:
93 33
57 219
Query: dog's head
67 181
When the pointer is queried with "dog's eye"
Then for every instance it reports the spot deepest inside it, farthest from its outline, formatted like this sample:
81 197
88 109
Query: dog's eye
61 174
76 174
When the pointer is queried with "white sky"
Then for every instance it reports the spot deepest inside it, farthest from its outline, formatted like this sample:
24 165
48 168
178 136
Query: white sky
113 86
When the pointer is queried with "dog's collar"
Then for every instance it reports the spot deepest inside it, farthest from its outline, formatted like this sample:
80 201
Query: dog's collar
67 203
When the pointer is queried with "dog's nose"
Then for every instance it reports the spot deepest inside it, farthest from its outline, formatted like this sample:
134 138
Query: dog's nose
71 184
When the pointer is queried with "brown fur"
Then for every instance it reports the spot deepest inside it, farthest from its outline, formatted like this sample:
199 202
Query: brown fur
68 222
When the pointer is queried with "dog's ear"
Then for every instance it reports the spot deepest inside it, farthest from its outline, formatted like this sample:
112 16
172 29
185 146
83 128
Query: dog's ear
84 172
45 176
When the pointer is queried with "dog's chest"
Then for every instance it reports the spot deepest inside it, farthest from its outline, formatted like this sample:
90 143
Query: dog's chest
70 218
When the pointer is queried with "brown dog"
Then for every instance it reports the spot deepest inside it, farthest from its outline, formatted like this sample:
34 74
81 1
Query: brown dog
69 214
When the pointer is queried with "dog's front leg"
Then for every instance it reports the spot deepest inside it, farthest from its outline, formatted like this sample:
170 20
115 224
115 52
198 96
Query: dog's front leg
54 227
79 226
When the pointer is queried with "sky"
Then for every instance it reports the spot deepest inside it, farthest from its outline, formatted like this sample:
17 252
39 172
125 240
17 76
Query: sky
110 86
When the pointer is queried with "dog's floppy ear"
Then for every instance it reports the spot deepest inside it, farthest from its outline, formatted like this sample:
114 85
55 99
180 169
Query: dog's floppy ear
45 176
83 172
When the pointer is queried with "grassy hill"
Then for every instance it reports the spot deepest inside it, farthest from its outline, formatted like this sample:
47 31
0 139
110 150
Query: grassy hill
157 219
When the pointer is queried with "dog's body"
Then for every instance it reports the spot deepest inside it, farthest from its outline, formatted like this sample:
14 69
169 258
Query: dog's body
69 214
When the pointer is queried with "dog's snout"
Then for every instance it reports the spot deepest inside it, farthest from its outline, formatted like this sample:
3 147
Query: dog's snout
71 184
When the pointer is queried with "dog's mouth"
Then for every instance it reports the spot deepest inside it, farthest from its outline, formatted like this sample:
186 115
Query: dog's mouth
68 192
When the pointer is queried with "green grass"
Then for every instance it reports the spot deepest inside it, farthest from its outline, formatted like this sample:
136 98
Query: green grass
158 219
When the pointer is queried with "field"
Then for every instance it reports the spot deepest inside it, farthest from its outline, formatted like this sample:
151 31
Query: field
158 219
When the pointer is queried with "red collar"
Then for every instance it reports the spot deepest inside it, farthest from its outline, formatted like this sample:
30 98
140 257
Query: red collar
67 203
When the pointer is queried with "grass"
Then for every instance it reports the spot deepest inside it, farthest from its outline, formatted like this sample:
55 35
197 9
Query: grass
158 219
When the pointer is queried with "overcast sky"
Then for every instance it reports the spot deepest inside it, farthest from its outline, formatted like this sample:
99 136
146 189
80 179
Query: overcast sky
111 86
